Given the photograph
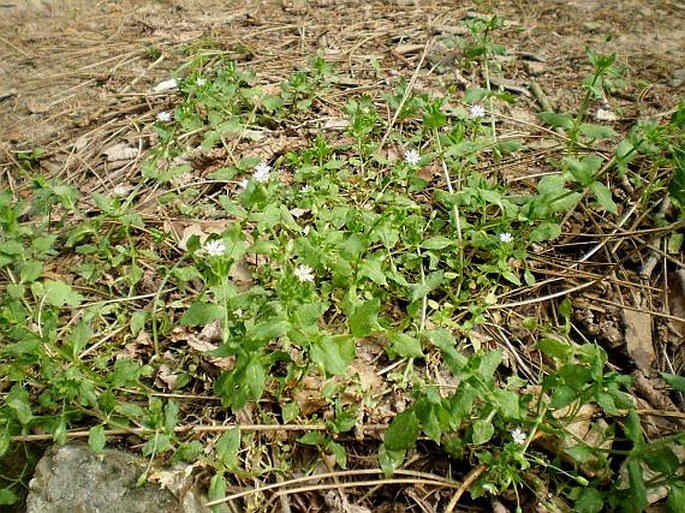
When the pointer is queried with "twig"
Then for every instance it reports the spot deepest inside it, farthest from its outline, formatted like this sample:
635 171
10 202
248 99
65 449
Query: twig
344 473
405 96
194 429
540 96
473 475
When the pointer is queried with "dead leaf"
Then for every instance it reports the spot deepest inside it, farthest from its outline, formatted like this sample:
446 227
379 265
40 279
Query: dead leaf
676 300
166 85
120 151
184 230
166 378
638 337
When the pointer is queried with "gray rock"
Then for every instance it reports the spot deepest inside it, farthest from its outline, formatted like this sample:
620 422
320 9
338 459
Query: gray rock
74 479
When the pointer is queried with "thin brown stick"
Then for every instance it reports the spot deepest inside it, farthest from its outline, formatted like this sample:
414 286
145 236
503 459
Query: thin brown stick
193 429
343 473
473 475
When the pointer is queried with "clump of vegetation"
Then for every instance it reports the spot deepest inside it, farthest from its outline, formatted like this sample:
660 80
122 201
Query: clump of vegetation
389 245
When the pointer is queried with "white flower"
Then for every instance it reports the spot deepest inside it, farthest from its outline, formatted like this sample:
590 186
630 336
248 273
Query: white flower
200 81
518 436
304 189
242 185
304 273
164 116
477 111
506 237
238 313
214 248
412 157
261 172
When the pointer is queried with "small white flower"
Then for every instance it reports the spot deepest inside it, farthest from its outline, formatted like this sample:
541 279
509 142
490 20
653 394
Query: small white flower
164 116
304 273
518 436
304 189
200 81
477 111
412 157
261 172
242 185
214 248
506 237
238 313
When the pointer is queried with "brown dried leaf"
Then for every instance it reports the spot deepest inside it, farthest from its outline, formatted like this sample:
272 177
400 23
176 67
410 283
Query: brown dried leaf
676 300
120 151
638 337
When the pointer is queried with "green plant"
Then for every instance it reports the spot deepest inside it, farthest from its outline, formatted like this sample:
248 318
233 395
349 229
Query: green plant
322 250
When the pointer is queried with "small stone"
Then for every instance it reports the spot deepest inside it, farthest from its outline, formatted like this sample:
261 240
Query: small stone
75 478
535 68
678 78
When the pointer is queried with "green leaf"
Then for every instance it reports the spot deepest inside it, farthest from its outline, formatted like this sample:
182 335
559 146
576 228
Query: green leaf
603 196
677 382
676 498
557 120
5 440
402 432
482 431
338 452
30 271
373 269
555 348
444 340
507 403
405 345
328 352
18 400
633 428
437 242
597 131
585 169
170 416
591 500
59 293
228 447
79 337
364 318
60 434
217 490
266 331
125 372
638 491
676 187
545 231
581 453
8 497
474 95
662 460
390 460
96 438
255 378
606 402
201 313
489 363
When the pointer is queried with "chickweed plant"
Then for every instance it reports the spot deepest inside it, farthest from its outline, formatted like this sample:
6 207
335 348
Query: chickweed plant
343 244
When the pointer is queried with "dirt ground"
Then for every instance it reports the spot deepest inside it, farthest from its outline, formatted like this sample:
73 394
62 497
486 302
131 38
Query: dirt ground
80 70
77 77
